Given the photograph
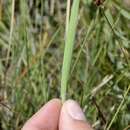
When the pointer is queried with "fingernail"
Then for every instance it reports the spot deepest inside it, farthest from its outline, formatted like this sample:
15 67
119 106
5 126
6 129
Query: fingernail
75 111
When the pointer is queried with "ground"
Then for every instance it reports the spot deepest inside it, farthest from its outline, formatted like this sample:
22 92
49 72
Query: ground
32 39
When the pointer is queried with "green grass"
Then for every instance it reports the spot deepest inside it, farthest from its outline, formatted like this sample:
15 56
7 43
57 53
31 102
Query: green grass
34 67
70 36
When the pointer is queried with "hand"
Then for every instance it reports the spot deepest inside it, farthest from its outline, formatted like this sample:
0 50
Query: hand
55 116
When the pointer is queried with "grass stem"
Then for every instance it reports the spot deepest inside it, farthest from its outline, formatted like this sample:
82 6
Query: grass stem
69 43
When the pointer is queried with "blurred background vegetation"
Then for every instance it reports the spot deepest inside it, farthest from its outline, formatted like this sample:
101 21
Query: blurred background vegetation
31 54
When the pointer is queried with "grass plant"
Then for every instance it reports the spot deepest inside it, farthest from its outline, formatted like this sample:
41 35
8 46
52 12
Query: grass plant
69 49
69 45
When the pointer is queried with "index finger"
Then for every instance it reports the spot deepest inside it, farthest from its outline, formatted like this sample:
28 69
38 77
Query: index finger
46 118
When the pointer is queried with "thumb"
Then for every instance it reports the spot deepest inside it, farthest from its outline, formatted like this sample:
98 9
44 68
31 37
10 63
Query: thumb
72 117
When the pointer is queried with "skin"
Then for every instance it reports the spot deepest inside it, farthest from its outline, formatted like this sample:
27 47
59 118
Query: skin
55 116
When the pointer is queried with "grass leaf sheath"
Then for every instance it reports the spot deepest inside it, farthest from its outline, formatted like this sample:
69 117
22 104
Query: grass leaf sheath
69 43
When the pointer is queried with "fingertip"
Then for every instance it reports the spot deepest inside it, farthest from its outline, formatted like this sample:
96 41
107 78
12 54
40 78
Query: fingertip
46 118
74 110
56 100
72 117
